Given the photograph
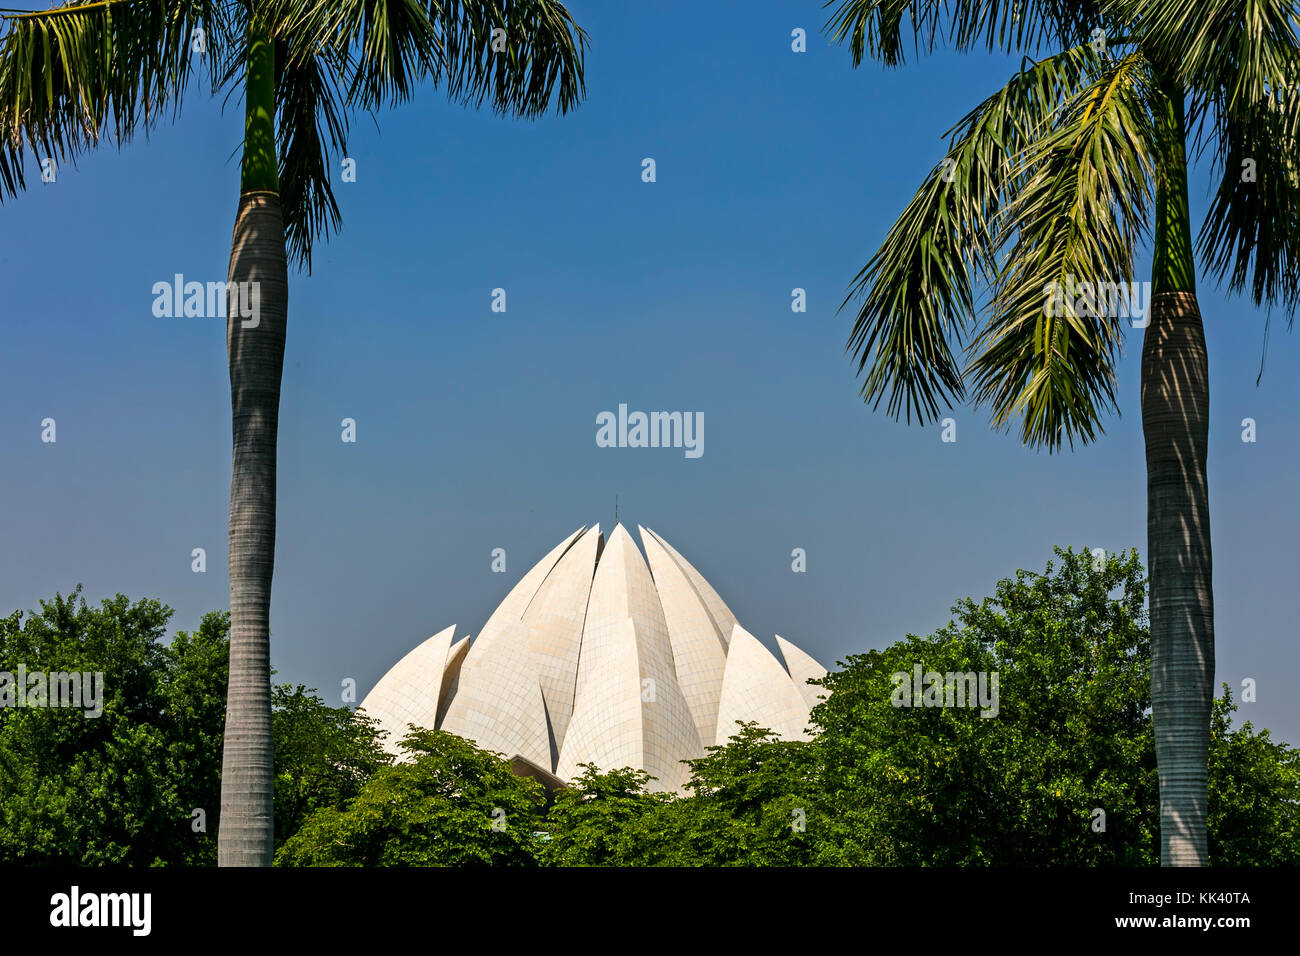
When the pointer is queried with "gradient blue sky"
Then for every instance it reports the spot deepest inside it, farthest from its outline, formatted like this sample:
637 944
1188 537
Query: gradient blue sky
476 429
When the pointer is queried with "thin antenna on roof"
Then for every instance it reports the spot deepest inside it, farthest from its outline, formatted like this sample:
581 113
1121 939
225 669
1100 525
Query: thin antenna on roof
616 511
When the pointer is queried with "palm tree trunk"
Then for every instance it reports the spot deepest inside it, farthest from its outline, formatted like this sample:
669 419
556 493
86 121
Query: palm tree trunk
1175 423
255 346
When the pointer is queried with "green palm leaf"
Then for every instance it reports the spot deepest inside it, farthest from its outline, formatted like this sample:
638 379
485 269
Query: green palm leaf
71 74
543 55
1075 221
881 29
311 130
919 290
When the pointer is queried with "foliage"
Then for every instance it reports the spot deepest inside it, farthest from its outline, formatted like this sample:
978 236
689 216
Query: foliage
195 690
119 788
945 785
451 805
323 755
593 822
122 788
1254 813
92 69
754 801
1049 180
878 785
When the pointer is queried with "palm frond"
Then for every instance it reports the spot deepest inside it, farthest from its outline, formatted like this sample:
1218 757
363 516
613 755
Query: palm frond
542 59
1074 224
917 291
12 179
1235 50
89 67
1240 61
394 39
1250 236
516 54
311 132
364 53
882 29
387 45
875 28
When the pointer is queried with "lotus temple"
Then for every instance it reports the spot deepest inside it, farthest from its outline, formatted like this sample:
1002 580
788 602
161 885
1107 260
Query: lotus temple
601 656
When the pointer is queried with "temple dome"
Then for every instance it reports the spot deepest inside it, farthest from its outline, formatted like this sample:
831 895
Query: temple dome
596 657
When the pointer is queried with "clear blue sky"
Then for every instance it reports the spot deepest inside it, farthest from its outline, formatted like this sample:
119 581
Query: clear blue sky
476 429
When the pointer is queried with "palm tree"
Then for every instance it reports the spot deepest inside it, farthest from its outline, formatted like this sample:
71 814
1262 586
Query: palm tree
93 67
1053 183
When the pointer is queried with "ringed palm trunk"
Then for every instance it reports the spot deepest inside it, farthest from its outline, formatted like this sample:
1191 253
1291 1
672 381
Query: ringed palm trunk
1175 423
255 346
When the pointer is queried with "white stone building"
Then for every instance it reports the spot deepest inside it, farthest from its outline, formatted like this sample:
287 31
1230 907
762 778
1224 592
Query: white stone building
593 657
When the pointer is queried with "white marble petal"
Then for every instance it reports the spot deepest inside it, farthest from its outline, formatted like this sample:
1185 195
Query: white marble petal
756 687
802 669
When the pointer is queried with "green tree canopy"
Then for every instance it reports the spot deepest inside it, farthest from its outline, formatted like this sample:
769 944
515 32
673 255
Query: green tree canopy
118 789
879 784
450 805
1254 794
123 788
886 785
594 821
323 755
945 785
